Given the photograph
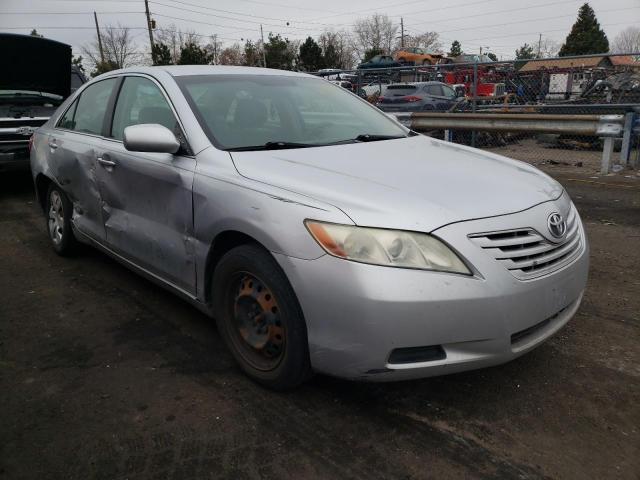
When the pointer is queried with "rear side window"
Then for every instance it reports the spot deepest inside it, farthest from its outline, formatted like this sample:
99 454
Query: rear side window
435 90
92 107
141 101
67 119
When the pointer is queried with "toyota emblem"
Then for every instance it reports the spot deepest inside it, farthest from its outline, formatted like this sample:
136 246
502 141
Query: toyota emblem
557 225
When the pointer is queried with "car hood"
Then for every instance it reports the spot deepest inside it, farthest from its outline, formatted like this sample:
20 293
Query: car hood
35 63
416 183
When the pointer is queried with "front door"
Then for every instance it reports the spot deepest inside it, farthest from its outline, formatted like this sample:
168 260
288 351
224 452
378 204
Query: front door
147 197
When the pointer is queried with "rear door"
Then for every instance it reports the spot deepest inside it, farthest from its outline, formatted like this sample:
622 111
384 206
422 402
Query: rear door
440 97
73 145
147 197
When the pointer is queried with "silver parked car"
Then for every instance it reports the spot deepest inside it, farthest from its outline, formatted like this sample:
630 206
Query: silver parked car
318 232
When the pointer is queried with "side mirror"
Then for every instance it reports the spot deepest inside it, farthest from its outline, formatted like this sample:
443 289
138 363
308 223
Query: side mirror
150 137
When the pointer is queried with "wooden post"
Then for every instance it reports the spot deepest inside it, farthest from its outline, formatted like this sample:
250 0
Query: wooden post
95 17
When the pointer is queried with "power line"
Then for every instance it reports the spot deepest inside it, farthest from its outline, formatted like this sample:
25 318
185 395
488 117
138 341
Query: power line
484 14
231 12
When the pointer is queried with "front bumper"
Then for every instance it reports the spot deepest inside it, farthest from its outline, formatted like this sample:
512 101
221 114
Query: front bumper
357 314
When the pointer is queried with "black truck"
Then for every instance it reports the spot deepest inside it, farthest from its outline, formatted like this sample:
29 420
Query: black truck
36 78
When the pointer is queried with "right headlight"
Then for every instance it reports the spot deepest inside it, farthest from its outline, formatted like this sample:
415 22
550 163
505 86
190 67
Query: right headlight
391 248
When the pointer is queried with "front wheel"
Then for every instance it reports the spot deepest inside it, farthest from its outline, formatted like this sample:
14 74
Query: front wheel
58 210
259 318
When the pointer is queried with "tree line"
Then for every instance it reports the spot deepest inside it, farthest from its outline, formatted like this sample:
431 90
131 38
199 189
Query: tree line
376 34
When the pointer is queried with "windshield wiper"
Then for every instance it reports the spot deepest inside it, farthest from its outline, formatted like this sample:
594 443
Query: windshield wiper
272 146
365 137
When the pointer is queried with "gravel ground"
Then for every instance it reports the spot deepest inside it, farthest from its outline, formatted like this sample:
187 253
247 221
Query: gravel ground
104 375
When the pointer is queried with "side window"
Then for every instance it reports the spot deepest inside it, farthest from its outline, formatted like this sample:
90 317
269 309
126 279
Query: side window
66 121
140 101
92 107
434 90
448 92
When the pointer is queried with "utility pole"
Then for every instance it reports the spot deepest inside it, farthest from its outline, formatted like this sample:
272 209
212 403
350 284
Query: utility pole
401 32
264 55
539 44
146 11
95 17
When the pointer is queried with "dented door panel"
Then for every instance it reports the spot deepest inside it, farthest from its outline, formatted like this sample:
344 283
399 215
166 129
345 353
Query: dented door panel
147 210
73 163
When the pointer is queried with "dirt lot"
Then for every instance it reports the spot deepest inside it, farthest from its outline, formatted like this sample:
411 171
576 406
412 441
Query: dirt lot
104 375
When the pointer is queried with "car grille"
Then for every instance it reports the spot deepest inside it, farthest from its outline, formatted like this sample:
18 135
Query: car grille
527 254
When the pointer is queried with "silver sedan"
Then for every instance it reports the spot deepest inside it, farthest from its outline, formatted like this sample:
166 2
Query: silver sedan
319 233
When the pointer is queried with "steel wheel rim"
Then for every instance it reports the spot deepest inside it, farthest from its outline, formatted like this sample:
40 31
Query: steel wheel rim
257 327
56 217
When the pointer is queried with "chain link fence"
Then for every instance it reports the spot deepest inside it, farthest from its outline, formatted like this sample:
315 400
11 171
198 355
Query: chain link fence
596 85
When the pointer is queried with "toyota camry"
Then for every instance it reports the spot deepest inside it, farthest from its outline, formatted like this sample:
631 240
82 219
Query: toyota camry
322 235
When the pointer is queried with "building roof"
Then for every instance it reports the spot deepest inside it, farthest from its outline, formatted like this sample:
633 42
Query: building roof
560 63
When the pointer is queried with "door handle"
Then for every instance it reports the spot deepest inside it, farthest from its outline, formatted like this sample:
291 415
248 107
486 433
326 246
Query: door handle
106 162
52 143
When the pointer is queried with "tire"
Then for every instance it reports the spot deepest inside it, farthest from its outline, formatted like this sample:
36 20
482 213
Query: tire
58 211
426 62
260 319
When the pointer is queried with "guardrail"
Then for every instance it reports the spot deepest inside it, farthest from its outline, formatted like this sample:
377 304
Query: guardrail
607 127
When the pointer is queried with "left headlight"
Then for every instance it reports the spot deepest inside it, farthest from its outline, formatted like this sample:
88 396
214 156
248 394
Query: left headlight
391 248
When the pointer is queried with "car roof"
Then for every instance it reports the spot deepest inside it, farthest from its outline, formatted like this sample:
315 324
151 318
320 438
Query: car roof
184 70
416 84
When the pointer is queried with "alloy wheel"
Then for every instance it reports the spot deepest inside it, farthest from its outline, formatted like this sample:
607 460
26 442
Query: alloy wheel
56 217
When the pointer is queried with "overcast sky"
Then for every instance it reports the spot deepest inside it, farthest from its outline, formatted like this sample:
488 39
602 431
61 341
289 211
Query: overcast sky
500 25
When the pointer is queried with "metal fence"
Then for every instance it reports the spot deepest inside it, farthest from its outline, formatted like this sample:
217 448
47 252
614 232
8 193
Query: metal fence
596 86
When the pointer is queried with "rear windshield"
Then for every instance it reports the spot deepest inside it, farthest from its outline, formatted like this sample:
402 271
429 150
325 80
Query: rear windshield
399 90
241 111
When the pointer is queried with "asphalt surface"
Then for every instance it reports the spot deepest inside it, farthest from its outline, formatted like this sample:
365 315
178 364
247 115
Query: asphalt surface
104 375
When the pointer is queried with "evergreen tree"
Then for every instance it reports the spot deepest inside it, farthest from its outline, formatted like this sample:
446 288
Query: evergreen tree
34 33
160 54
525 52
456 49
77 62
192 54
104 67
252 54
331 56
372 52
586 36
310 55
278 53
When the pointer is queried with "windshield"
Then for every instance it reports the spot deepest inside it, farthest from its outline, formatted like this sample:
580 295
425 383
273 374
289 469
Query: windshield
243 111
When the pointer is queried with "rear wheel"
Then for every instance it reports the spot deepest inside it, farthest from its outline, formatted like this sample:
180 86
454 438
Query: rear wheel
259 318
58 214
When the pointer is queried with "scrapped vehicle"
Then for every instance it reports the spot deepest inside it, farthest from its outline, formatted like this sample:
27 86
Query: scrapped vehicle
322 235
379 61
377 87
417 97
35 79
416 56
343 84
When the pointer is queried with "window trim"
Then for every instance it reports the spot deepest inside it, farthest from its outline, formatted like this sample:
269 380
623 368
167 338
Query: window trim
109 127
75 102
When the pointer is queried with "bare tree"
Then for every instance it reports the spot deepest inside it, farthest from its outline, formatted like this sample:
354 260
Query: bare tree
548 48
232 55
430 41
627 41
338 49
213 48
376 32
175 39
118 47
